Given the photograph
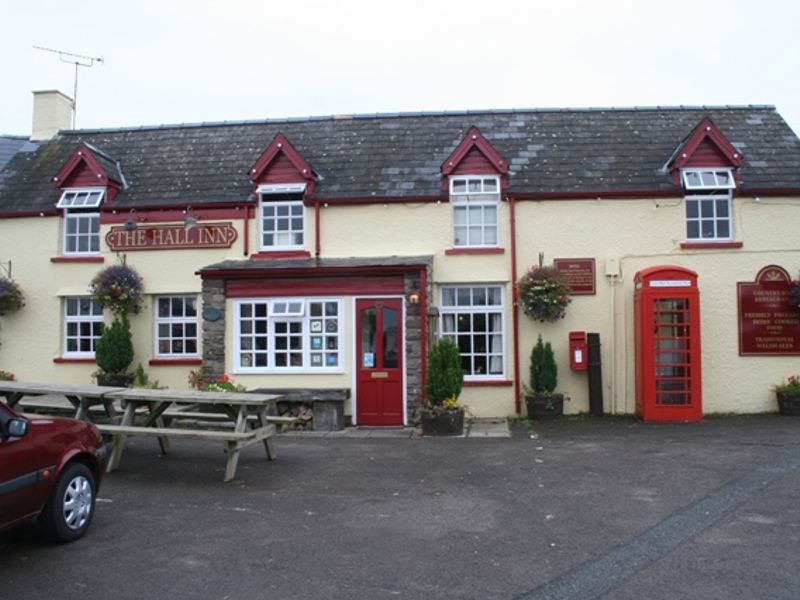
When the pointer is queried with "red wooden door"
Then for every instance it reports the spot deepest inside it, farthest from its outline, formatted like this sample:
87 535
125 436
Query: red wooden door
379 362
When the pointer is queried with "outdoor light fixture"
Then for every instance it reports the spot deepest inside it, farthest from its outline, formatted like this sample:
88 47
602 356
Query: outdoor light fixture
130 224
414 293
189 219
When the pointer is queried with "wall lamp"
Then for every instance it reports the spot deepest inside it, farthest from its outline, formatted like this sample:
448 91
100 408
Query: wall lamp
414 294
130 224
189 219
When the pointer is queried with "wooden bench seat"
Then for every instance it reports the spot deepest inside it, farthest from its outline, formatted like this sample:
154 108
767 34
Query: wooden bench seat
221 417
178 432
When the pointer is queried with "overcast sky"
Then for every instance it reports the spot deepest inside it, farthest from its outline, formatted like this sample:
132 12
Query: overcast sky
181 61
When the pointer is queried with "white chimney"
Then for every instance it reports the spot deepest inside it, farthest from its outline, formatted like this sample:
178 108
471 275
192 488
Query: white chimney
52 112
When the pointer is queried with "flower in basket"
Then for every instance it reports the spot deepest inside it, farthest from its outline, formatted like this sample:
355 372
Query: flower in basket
11 298
224 383
6 375
119 289
791 387
544 293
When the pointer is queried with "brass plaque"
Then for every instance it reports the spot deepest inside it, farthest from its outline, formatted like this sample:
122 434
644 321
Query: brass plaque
379 375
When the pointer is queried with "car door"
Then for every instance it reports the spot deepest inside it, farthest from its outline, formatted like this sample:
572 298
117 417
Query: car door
19 473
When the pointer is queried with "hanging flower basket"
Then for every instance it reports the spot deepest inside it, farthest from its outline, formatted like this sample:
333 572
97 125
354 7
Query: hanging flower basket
544 294
118 289
11 298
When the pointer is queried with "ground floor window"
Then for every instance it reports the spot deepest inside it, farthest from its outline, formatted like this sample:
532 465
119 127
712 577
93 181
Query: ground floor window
293 335
472 316
176 326
83 325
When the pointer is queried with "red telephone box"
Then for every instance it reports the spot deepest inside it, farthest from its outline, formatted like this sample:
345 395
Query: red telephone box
667 334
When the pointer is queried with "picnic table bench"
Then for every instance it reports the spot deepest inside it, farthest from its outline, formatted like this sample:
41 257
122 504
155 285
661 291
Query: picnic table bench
150 412
247 411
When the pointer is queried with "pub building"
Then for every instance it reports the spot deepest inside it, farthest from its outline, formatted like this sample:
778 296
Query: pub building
328 253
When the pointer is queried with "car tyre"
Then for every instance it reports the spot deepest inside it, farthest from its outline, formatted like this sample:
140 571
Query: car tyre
69 509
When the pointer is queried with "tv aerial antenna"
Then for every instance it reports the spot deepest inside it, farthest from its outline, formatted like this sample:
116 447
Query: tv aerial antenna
79 60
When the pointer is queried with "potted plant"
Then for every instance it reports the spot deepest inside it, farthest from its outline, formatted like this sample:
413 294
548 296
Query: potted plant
540 398
114 354
543 293
788 395
443 415
119 289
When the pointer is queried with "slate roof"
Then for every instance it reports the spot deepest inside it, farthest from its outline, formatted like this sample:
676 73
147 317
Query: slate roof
556 151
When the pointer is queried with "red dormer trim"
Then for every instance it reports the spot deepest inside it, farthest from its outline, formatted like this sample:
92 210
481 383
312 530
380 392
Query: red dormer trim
705 147
281 163
83 170
475 155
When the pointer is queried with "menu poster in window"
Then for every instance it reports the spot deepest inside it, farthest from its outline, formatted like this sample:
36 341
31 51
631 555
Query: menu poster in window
768 323
580 274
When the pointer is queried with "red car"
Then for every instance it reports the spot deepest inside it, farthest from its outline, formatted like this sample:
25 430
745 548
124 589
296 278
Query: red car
50 468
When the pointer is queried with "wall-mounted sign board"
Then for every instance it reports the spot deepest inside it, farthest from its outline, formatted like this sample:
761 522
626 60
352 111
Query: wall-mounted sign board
768 324
580 274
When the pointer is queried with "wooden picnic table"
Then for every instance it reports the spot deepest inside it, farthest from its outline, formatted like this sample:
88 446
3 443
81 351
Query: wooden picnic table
247 411
82 397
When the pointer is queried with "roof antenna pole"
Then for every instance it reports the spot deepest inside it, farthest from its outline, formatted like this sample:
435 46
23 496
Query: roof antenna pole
79 60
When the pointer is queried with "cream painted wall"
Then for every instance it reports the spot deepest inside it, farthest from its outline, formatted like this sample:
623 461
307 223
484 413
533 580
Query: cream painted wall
637 233
32 337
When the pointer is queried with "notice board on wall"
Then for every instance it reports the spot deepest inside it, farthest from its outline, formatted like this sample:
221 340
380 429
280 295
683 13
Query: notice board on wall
579 272
768 323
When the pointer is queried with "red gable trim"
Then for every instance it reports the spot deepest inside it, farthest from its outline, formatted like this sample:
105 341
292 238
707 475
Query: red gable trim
706 146
81 156
474 140
281 152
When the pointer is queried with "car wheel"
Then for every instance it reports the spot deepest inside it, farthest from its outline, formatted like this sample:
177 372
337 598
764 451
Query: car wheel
70 507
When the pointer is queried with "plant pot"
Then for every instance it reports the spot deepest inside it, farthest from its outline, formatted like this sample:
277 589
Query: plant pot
449 422
788 404
541 406
114 379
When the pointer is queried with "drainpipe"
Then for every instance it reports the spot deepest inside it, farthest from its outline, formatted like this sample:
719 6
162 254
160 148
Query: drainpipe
318 244
514 305
423 326
246 249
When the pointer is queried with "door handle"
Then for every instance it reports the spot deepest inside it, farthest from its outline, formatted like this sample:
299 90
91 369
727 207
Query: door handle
379 375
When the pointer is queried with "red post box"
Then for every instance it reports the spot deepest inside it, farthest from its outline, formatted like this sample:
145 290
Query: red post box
667 336
577 351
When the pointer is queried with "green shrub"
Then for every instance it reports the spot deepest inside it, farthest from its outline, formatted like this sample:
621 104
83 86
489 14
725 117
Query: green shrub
114 350
445 375
544 371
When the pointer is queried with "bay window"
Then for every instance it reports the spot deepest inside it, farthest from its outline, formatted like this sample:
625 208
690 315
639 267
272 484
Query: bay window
288 334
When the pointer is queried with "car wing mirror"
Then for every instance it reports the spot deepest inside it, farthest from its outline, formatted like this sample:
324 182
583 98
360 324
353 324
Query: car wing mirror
17 427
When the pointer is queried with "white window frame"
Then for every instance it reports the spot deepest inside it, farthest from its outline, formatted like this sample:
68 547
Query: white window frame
491 311
81 197
479 197
182 321
316 332
706 190
93 319
92 236
267 197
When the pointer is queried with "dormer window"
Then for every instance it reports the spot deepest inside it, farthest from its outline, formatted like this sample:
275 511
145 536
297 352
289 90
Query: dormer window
81 219
708 204
475 201
282 216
